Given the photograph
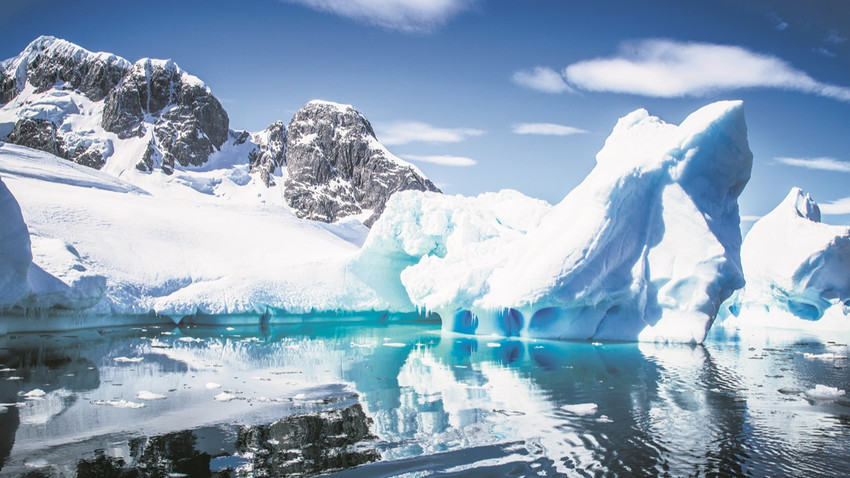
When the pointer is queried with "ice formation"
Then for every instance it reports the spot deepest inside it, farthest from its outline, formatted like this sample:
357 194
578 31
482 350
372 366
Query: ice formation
797 269
647 247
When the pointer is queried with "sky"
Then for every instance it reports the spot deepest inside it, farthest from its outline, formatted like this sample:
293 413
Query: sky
484 95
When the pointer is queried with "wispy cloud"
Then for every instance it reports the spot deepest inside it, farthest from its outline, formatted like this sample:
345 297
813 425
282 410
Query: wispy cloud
403 132
546 129
668 69
823 164
443 160
409 16
823 51
542 79
834 208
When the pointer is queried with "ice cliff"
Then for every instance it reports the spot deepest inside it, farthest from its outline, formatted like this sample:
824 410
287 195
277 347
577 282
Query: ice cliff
647 247
797 269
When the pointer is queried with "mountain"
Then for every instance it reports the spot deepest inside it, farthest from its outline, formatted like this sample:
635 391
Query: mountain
797 268
338 168
143 120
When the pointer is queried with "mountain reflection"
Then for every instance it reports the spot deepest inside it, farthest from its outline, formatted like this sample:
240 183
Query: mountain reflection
314 398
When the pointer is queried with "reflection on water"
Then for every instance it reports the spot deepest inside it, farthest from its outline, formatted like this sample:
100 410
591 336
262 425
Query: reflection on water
385 400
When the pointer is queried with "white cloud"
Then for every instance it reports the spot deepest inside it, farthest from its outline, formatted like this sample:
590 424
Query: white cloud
542 79
823 164
547 129
834 208
403 132
443 160
667 69
409 16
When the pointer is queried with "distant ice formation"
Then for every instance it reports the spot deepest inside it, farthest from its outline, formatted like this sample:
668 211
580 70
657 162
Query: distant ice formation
797 270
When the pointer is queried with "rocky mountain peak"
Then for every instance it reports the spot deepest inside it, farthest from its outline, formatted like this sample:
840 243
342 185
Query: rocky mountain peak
49 60
338 168
189 122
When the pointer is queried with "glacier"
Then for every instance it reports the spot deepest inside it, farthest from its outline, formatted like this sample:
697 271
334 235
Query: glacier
797 269
647 247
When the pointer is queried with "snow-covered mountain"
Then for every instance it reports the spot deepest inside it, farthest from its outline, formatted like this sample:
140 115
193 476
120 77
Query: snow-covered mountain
145 120
797 269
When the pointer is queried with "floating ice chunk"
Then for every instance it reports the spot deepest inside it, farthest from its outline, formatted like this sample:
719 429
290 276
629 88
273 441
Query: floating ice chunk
128 359
212 385
145 395
35 394
823 392
791 390
581 408
118 403
225 397
824 356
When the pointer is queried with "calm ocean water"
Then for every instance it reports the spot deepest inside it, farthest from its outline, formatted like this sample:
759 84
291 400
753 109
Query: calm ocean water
353 398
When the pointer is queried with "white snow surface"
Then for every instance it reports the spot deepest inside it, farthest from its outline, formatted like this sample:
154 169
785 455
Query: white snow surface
170 249
647 247
797 269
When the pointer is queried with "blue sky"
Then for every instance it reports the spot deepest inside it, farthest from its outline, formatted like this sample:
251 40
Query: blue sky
485 95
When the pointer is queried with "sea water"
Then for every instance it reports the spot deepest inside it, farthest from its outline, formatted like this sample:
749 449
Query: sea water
360 398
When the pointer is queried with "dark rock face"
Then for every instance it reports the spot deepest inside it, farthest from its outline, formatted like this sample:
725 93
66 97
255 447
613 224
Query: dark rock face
48 61
306 445
337 167
38 134
269 155
44 135
190 122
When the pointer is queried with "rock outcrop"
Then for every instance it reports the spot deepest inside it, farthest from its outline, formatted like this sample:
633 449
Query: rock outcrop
269 154
189 122
337 167
48 61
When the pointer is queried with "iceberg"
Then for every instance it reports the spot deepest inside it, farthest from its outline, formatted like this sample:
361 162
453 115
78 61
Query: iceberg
797 269
647 247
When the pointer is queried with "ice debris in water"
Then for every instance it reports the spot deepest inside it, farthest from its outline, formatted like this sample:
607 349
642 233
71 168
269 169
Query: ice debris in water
128 359
225 397
145 395
212 385
823 392
35 394
118 403
581 408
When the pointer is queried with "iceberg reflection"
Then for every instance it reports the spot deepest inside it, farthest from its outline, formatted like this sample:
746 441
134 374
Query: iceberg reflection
400 398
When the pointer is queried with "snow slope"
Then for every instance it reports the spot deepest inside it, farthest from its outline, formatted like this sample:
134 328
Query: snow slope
797 269
647 247
178 252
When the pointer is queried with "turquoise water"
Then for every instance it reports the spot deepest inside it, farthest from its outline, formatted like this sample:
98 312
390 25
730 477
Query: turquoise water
403 399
